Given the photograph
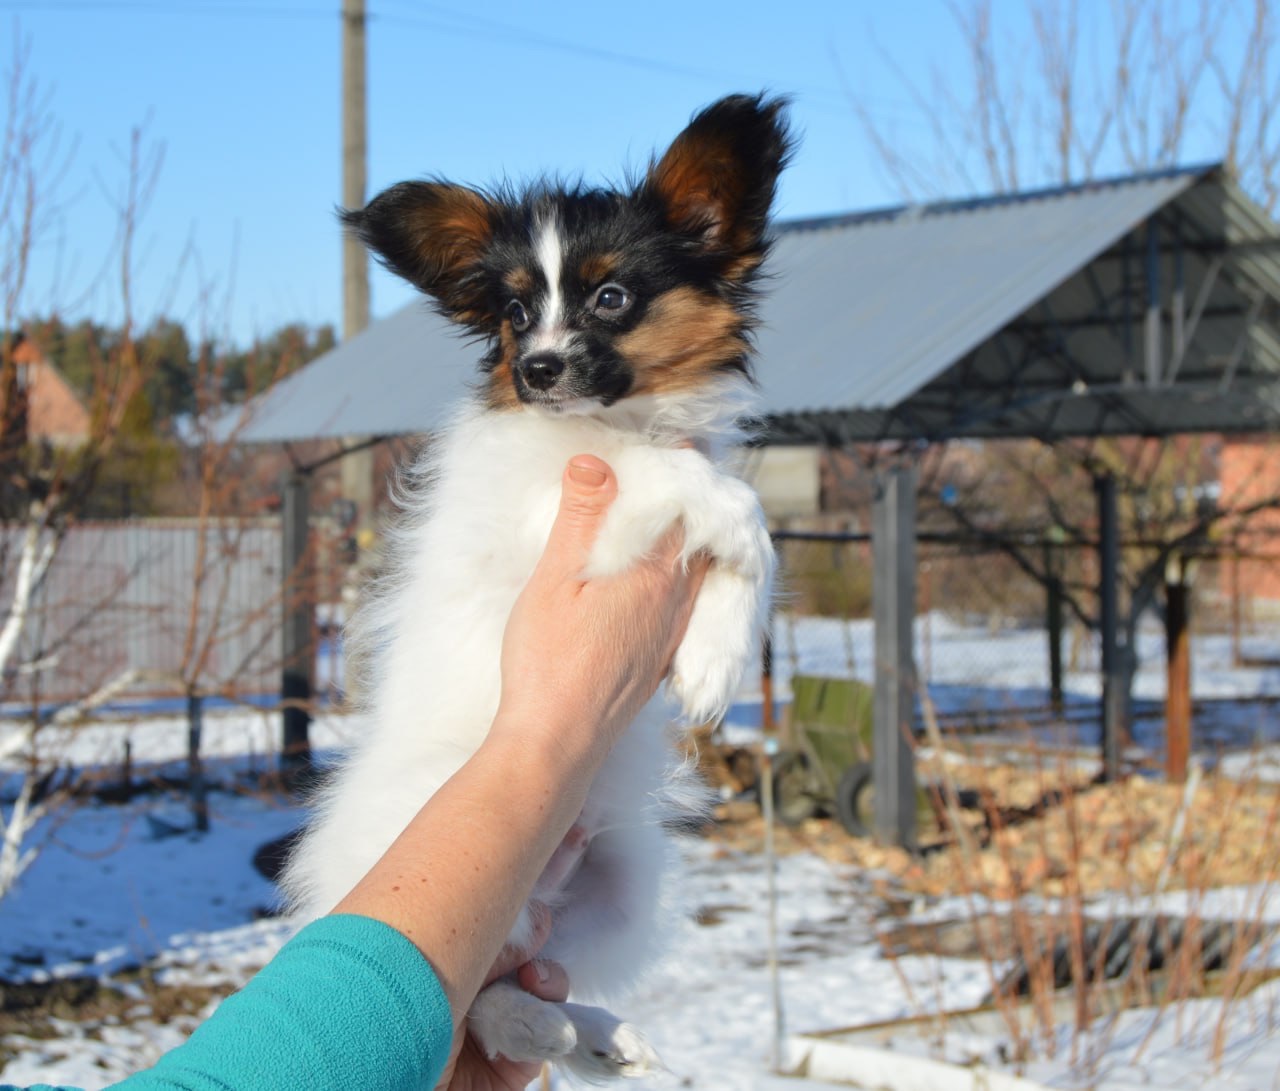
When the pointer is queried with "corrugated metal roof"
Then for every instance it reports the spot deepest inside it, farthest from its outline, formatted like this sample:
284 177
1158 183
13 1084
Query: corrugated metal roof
397 377
1024 316
869 316
864 314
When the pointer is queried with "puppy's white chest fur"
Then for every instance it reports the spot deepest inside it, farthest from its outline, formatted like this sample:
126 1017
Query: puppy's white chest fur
476 522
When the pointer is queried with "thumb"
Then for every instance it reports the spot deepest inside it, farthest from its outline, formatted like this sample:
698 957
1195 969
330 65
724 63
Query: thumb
588 487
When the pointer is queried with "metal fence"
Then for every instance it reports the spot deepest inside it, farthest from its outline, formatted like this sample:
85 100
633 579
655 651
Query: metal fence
982 635
154 606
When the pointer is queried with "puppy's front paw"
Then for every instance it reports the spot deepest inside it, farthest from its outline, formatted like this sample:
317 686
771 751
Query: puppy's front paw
709 663
507 1020
607 1047
723 631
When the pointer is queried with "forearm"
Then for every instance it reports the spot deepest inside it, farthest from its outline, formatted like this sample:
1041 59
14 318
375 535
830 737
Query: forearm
478 862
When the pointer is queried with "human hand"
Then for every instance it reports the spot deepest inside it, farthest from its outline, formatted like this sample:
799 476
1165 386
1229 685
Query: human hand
581 657
469 1069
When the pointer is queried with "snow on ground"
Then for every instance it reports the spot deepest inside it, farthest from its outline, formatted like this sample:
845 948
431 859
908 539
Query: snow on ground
1175 1049
1013 661
106 893
116 885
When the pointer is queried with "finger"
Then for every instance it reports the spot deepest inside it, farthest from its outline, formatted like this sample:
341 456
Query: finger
511 957
587 489
544 979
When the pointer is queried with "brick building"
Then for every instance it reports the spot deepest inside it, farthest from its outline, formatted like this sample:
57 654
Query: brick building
1249 470
53 411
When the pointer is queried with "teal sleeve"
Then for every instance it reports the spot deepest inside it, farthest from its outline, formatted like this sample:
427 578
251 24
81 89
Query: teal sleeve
347 1003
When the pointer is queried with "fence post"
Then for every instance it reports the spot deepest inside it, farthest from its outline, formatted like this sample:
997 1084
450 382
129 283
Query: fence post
1178 671
767 724
297 681
195 764
1237 618
1053 614
893 550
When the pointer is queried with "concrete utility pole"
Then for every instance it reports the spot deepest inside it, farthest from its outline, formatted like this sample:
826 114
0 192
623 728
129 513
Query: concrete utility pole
355 262
358 467
299 605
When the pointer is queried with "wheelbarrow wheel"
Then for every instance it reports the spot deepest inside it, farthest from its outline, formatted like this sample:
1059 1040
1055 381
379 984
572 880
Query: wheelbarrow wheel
855 800
793 788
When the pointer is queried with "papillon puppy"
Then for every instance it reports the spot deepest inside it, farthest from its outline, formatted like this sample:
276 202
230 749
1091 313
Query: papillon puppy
616 323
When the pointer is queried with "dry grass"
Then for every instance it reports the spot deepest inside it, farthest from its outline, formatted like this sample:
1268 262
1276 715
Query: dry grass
1082 899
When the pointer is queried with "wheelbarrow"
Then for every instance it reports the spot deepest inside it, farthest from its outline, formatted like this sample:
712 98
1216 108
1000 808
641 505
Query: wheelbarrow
823 765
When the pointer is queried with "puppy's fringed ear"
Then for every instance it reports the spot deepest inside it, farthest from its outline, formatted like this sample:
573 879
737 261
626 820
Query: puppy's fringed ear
717 179
434 235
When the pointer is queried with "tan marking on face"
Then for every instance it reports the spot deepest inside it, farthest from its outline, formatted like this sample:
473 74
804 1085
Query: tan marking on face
685 336
520 283
500 388
598 268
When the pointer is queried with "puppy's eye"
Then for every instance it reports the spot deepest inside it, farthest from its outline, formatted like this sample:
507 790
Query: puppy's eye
612 299
518 315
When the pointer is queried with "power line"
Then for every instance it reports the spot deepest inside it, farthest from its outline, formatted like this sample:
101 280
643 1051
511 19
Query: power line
480 27
477 26
167 7
463 24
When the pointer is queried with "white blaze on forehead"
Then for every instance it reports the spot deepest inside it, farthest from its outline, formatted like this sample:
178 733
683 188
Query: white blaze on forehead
549 253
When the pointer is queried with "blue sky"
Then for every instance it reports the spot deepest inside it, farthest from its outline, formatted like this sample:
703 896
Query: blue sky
243 101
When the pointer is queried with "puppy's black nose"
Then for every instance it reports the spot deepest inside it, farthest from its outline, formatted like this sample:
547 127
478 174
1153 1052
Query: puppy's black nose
541 370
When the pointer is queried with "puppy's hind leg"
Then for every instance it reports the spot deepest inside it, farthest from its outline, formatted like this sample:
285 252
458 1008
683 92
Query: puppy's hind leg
591 1043
507 1020
607 1048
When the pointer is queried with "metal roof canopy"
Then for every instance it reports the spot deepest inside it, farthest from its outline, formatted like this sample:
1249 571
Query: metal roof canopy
1142 305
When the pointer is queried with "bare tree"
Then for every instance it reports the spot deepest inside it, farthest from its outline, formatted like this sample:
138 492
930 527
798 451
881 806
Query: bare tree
43 485
1089 90
1124 86
212 629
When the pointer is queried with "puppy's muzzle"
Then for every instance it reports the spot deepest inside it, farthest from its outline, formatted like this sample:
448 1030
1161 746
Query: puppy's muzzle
542 370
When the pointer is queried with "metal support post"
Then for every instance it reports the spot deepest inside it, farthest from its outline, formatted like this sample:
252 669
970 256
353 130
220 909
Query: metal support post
893 548
1054 615
1151 333
1113 695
